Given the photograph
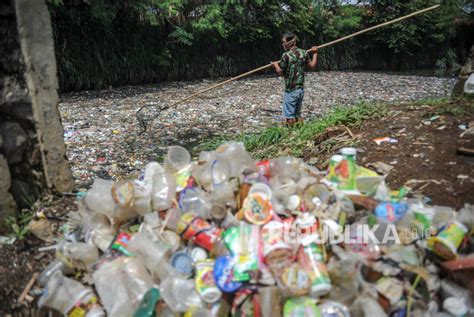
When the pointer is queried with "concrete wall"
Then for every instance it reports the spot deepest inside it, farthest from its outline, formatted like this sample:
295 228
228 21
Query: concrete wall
32 150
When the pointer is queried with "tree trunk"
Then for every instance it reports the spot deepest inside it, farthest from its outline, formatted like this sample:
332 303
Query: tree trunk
32 149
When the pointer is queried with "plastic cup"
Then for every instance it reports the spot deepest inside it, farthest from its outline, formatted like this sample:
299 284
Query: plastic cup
99 197
446 243
164 190
100 230
56 265
280 201
218 212
223 195
179 294
236 155
82 255
262 190
315 195
172 218
285 167
270 299
194 200
62 292
152 254
121 285
220 172
177 158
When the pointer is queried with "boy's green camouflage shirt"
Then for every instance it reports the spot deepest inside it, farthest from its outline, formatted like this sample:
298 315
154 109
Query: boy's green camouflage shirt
292 64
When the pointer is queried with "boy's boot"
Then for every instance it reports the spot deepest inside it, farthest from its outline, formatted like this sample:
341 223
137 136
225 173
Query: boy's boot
299 120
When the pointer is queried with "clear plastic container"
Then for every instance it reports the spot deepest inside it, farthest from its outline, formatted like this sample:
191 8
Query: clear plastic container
220 171
61 293
153 255
180 294
262 190
56 265
81 255
121 285
195 200
223 195
99 230
99 197
286 168
142 197
163 186
176 159
236 155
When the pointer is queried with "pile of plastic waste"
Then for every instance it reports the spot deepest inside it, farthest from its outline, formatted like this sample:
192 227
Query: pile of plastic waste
229 236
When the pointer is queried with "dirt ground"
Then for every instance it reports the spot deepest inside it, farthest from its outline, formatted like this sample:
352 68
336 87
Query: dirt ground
19 261
424 152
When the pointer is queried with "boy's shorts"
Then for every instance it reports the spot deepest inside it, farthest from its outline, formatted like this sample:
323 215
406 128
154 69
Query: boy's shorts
292 103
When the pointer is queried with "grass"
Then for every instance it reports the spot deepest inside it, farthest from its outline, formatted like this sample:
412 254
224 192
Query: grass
292 141
19 224
280 140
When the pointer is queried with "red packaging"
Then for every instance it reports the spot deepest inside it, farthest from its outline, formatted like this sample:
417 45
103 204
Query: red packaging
264 167
198 231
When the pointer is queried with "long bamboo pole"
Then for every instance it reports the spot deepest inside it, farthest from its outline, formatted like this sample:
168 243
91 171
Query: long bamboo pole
320 46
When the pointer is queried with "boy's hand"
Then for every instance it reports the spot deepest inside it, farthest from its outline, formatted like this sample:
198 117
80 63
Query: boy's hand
314 50
275 64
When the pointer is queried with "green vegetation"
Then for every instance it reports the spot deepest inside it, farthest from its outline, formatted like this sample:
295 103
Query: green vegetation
106 42
19 224
280 140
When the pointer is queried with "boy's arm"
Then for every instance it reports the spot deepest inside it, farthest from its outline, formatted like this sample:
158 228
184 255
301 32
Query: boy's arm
314 59
277 68
280 65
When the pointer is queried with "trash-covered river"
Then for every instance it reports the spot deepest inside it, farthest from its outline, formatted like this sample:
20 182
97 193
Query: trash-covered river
103 135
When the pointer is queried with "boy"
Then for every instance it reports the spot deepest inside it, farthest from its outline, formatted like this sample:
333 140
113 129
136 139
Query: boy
291 65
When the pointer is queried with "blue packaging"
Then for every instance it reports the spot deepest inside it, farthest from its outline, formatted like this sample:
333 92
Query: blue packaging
224 272
391 212
183 263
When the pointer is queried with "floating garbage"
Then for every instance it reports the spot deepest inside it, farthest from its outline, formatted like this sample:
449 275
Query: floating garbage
229 236
102 134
